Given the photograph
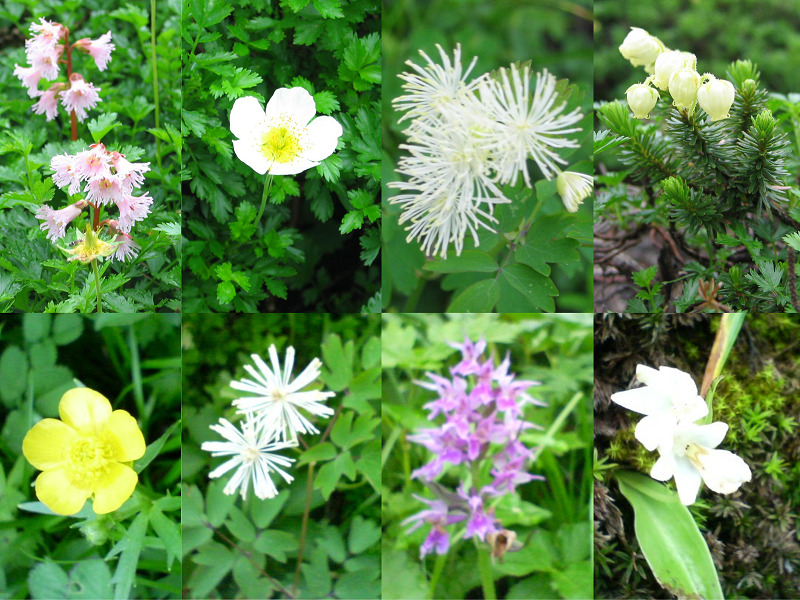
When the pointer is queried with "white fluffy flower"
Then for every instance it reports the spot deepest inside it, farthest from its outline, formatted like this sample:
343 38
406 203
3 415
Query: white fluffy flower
276 399
689 457
668 398
526 127
252 451
284 139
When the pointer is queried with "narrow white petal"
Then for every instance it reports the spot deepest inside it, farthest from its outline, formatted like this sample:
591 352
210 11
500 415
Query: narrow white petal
687 480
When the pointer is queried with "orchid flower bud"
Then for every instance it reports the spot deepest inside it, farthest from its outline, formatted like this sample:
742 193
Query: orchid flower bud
716 98
641 48
670 61
683 85
641 98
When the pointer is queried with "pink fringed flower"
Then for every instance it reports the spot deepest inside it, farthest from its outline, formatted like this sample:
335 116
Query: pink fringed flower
67 172
132 209
46 35
55 221
48 102
127 248
103 188
80 96
100 49
30 77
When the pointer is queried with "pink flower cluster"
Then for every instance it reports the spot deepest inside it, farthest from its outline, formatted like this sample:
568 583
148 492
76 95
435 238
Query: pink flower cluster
44 52
106 178
482 404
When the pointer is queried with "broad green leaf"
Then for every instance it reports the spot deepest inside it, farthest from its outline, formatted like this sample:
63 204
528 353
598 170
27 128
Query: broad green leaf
338 361
533 285
329 9
240 526
319 453
363 533
470 261
216 561
48 581
276 544
480 297
67 329
574 581
670 539
100 126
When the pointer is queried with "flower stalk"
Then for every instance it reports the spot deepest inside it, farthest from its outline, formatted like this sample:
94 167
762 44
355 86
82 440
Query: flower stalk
97 285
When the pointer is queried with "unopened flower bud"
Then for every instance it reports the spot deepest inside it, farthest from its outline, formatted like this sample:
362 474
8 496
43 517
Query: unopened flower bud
716 98
670 61
96 532
683 85
573 188
641 48
641 98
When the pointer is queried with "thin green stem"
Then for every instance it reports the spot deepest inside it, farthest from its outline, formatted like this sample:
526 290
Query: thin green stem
485 567
265 193
438 568
97 285
155 71
304 528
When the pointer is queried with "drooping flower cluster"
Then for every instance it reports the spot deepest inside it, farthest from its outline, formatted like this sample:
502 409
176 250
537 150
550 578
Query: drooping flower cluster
85 454
44 53
285 138
672 406
106 178
468 138
483 405
676 72
272 421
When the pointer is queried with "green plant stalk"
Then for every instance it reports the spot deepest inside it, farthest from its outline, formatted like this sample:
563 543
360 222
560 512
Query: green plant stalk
155 71
485 567
97 285
438 568
303 529
265 193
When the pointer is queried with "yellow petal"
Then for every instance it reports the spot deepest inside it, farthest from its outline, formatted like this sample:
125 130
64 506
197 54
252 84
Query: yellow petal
120 483
124 436
46 444
84 409
56 492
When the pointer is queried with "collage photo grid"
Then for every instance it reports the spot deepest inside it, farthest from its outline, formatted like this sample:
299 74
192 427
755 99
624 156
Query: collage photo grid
402 300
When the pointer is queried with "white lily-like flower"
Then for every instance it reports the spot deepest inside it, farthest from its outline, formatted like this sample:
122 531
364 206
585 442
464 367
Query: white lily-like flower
669 398
277 400
689 456
284 139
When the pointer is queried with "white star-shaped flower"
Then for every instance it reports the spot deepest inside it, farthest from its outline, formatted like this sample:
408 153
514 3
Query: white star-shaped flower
252 451
276 399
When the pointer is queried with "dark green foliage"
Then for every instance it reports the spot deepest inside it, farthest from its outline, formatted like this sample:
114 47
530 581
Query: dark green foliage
316 245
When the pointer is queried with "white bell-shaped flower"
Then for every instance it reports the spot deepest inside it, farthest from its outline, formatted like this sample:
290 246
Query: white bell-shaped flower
716 98
641 98
641 48
670 61
683 86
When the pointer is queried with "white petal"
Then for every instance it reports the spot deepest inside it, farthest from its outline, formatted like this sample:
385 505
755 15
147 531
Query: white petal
246 112
654 429
724 472
707 436
296 102
647 375
324 133
294 167
687 480
247 152
644 400
664 468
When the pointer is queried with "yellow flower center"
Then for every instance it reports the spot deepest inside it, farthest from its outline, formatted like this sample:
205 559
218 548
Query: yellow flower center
105 184
89 458
277 395
280 145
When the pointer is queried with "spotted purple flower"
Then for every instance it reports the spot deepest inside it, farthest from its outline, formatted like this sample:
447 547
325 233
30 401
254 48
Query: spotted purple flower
438 515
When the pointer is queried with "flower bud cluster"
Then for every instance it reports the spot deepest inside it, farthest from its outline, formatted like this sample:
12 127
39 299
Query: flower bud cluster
44 53
672 407
483 408
106 178
676 72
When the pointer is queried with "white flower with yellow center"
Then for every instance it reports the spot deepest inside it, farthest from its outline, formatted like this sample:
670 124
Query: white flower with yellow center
284 139
252 451
689 456
276 399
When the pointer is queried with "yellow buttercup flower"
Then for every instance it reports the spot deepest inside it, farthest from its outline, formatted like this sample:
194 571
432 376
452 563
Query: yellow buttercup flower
84 454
